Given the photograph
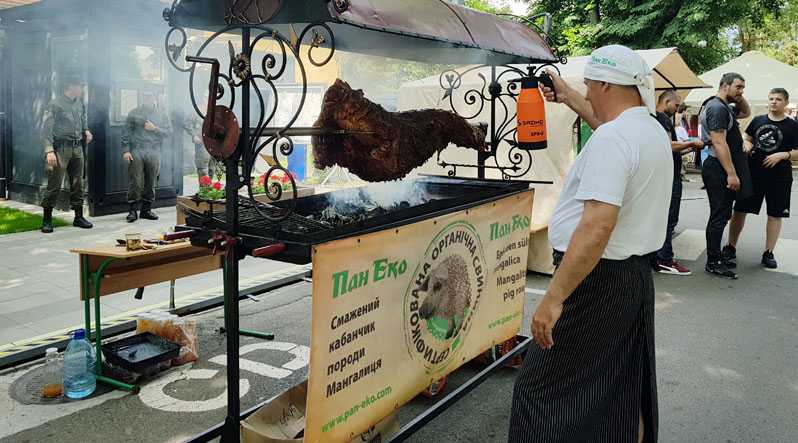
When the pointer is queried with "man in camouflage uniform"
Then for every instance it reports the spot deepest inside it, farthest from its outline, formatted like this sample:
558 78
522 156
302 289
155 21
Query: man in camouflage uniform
192 124
145 129
63 127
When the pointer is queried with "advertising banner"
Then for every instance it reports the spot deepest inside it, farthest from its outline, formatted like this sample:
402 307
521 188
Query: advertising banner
398 309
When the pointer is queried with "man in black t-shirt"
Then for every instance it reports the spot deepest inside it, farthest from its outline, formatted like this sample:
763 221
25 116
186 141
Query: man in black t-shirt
667 105
771 142
725 172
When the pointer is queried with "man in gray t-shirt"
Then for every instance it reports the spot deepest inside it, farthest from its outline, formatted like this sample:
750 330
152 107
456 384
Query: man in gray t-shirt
725 171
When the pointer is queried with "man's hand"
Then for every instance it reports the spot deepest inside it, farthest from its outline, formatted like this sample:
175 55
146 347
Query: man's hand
774 159
149 126
748 147
127 157
546 316
697 145
197 140
733 182
560 87
52 160
89 137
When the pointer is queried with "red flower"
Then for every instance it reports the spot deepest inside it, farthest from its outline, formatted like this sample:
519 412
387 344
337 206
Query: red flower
217 186
205 180
252 182
293 175
284 179
262 180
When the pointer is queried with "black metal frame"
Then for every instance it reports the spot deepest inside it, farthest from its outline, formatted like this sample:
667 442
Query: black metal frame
240 74
239 166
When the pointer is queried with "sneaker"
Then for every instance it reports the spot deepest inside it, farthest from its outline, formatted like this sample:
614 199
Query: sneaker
768 260
729 252
728 263
672 268
719 269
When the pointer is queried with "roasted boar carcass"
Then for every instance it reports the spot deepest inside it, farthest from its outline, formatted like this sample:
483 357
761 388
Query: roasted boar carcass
384 145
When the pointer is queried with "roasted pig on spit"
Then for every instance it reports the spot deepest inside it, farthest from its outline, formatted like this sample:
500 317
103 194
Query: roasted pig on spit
378 145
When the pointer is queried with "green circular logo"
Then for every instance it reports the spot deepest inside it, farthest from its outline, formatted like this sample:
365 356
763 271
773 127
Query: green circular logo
443 295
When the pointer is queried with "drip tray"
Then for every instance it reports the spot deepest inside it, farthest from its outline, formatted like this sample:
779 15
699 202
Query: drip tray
141 351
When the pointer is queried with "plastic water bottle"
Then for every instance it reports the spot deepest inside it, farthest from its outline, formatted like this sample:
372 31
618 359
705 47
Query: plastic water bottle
51 374
79 363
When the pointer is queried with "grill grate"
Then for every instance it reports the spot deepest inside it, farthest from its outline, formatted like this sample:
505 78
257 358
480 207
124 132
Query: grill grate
249 220
304 227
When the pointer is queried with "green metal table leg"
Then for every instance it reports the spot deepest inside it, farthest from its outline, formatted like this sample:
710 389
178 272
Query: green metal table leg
262 335
85 278
256 334
97 278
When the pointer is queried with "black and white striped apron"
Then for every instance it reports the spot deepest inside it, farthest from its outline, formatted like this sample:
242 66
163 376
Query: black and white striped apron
592 385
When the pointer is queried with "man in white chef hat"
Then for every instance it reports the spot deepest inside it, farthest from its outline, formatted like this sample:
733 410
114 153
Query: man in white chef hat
591 374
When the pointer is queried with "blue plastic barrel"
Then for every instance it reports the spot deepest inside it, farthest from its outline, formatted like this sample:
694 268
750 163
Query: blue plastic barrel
298 161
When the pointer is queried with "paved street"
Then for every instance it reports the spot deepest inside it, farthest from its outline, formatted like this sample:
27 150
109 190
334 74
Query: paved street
726 360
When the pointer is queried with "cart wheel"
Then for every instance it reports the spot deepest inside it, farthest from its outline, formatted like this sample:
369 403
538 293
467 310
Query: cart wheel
434 388
136 390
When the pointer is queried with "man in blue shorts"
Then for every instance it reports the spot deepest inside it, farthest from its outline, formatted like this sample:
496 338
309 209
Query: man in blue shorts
771 142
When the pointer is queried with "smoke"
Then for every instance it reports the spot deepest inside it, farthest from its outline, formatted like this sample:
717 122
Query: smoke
389 196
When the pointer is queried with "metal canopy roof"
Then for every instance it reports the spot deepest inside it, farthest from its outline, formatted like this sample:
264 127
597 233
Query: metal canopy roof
431 31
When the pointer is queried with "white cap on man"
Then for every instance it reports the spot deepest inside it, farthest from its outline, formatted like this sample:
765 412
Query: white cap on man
620 65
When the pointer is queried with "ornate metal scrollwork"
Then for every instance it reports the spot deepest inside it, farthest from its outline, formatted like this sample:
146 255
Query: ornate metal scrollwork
260 71
169 12
317 41
340 5
503 154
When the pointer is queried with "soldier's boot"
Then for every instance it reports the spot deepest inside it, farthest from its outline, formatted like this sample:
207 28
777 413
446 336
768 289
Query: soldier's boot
79 221
47 223
132 215
146 211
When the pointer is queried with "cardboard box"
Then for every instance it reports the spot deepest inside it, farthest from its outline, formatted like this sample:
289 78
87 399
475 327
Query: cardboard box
283 420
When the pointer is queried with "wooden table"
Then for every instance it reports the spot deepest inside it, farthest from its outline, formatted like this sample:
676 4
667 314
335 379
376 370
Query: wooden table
108 269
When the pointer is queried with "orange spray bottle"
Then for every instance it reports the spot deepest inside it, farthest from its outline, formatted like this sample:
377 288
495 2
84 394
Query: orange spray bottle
531 112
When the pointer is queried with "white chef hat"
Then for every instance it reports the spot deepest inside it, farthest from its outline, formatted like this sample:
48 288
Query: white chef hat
620 65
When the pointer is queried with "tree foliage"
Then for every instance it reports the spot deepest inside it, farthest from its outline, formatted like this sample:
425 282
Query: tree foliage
698 28
776 35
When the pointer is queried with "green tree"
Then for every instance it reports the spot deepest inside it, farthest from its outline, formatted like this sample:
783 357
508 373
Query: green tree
697 27
776 35
495 7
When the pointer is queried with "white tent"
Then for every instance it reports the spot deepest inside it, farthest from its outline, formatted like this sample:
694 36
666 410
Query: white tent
551 164
761 73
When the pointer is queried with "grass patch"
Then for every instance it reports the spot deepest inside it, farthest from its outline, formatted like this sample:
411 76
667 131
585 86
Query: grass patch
14 220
